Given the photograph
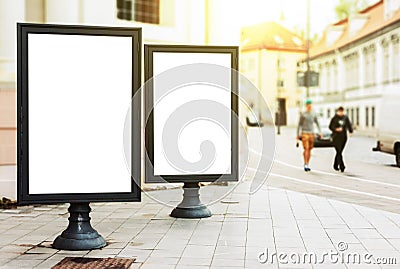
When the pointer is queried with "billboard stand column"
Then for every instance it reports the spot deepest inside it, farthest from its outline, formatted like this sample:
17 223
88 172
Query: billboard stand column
79 234
191 206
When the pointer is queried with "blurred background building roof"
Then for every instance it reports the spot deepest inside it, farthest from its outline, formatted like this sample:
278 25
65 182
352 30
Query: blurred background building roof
271 36
359 26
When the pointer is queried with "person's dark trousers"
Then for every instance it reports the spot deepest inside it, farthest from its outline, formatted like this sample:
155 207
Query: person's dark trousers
339 143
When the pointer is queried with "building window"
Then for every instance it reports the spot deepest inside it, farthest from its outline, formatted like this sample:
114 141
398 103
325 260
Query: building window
352 115
385 62
335 77
370 65
351 62
367 62
366 117
390 7
396 58
366 66
280 63
124 10
328 113
372 116
373 66
357 116
146 11
280 83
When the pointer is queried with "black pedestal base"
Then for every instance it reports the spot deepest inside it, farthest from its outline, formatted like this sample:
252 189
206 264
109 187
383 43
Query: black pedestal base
191 213
191 206
79 234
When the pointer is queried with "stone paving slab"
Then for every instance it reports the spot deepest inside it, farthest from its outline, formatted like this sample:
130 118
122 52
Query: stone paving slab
270 221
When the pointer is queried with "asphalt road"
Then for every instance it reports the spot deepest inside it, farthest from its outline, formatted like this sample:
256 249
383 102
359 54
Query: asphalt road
371 178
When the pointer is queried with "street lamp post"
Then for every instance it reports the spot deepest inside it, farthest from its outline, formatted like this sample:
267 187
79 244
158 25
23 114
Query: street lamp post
279 118
279 88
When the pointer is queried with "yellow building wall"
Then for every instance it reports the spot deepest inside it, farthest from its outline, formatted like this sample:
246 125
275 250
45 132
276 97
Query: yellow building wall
261 67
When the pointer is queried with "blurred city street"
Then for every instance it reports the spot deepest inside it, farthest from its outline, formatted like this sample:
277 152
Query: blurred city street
370 179
292 213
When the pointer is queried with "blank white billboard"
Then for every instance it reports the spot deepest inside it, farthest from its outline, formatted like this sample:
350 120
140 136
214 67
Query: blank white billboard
194 133
80 88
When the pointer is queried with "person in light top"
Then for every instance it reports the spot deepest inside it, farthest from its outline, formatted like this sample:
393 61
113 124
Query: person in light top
306 132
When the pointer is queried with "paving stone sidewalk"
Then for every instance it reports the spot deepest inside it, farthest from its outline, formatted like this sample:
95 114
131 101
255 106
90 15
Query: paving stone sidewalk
242 227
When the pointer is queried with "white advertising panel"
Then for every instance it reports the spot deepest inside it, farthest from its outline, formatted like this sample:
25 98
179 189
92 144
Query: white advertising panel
191 110
75 88
200 130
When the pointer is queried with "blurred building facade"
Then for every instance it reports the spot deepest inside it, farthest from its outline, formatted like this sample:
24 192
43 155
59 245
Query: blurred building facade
269 57
358 60
162 21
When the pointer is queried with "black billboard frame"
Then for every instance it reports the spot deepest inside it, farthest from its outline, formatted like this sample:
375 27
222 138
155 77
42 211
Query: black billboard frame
149 50
23 196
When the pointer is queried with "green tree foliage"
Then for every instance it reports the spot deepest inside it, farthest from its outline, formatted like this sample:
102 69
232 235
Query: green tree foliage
346 8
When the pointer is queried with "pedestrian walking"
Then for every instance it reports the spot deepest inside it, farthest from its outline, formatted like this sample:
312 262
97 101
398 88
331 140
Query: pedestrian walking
339 126
306 132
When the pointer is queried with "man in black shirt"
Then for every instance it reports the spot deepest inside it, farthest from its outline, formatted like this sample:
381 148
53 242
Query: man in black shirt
339 125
